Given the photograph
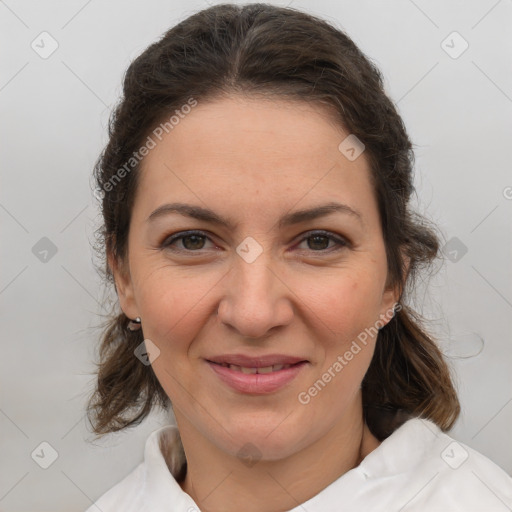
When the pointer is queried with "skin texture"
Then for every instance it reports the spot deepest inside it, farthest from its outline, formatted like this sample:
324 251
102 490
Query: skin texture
254 160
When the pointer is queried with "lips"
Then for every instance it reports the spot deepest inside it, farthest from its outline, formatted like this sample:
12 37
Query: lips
248 370
249 380
257 374
259 362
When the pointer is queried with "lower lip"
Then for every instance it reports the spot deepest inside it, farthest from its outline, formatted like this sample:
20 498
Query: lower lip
257 382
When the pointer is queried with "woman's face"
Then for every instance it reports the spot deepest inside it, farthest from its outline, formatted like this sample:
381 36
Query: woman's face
272 283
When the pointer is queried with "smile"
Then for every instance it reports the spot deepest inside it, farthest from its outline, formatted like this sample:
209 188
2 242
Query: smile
257 380
246 370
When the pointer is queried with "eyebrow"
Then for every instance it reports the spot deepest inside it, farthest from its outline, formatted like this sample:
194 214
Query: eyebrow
289 219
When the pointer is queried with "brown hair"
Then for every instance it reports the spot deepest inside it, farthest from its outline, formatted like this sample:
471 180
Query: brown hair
259 49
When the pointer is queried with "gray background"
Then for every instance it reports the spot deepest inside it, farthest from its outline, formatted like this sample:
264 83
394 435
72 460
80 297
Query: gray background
54 115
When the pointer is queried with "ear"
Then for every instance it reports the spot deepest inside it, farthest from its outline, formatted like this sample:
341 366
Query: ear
392 294
124 286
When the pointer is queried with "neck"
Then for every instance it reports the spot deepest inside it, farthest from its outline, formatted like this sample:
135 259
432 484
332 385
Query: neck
218 481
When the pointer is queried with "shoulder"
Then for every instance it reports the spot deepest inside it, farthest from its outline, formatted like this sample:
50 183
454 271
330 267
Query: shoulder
152 485
432 471
126 495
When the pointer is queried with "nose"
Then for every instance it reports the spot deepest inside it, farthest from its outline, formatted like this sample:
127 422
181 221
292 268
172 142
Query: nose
256 298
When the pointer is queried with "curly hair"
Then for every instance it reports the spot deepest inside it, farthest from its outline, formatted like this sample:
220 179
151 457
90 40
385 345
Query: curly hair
259 49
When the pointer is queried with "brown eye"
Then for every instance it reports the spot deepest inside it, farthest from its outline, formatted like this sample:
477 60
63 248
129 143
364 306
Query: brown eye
319 241
190 241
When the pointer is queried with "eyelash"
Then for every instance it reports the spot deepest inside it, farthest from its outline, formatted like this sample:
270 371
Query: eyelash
340 242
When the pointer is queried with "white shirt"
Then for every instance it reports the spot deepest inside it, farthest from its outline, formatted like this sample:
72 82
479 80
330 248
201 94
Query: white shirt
417 468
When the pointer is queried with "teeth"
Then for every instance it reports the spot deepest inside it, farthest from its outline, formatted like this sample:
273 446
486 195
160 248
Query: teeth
266 369
246 370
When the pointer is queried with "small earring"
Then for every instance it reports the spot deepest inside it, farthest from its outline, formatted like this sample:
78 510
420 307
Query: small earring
134 325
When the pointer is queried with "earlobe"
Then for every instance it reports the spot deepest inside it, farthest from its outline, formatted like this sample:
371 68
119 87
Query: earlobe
390 307
392 295
124 286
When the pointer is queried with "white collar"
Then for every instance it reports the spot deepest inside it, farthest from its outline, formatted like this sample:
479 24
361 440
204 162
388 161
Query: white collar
391 457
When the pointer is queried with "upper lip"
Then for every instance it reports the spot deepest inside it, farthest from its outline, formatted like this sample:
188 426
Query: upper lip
255 362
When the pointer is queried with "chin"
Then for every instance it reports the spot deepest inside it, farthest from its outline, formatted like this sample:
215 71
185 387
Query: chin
263 440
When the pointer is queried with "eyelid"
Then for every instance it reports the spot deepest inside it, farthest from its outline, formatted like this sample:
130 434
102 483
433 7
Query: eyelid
340 240
178 235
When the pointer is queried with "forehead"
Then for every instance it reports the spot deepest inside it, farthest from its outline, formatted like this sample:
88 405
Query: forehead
250 152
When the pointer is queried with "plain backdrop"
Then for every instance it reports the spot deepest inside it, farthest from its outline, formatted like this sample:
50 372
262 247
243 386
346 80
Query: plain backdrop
454 92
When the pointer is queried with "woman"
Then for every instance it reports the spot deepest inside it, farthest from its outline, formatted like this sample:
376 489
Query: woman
255 196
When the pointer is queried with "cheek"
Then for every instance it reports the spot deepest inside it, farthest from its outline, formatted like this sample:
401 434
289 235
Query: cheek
347 302
173 311
347 310
173 305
